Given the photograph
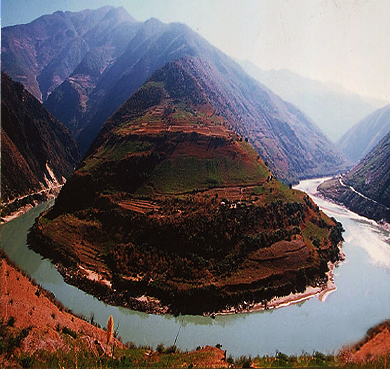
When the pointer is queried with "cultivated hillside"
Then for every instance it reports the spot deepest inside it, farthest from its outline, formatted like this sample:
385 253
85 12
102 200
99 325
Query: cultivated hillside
371 179
37 151
172 204
112 68
362 137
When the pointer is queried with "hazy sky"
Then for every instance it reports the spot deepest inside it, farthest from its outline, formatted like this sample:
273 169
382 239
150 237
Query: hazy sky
341 41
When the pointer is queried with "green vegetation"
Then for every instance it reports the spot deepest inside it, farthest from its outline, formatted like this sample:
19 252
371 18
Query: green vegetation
185 174
80 356
11 341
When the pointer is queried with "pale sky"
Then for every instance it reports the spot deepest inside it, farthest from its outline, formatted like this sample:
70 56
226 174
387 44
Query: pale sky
341 41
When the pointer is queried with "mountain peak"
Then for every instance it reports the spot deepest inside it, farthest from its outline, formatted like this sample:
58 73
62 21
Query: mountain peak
120 14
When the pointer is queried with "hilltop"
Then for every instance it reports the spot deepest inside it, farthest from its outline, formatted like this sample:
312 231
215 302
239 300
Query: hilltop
172 204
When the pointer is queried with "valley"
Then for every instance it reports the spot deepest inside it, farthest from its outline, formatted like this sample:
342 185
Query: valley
104 56
37 152
146 177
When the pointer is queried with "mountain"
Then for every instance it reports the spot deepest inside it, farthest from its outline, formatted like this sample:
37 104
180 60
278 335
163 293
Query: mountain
284 137
331 107
37 151
172 204
366 188
43 53
362 137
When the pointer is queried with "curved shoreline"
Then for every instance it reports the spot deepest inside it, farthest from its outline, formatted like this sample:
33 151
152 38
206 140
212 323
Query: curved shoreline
97 285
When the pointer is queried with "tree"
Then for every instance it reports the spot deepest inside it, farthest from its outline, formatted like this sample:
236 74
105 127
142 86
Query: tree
110 329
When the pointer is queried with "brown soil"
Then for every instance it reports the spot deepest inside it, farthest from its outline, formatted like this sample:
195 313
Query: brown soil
376 344
31 306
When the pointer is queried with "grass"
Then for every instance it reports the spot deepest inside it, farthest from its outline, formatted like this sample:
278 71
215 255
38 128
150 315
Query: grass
140 357
312 231
119 149
184 174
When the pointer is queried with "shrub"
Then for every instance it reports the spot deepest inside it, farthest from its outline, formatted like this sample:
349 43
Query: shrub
171 350
160 348
69 331
11 321
26 361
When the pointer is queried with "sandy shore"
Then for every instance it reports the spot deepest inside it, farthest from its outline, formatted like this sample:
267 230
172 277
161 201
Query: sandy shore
322 292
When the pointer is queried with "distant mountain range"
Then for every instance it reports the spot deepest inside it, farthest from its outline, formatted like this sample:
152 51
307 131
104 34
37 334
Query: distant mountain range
366 188
332 108
85 65
43 53
171 203
362 137
37 151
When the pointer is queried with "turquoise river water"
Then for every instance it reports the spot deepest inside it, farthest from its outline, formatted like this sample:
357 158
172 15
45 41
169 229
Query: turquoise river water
362 298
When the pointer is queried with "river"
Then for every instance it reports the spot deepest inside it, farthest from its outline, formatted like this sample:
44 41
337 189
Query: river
360 302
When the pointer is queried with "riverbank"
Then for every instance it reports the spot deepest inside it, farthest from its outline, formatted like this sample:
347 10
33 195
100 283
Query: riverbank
19 206
321 291
38 331
294 328
336 190
101 287
41 322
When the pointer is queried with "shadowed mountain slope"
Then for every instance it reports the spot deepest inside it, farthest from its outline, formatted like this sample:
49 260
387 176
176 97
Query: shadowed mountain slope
286 139
172 204
37 151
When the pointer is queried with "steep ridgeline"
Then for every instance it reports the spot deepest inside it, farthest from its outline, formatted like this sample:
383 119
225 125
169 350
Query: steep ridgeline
362 137
366 188
172 204
43 53
286 139
106 75
37 151
331 107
